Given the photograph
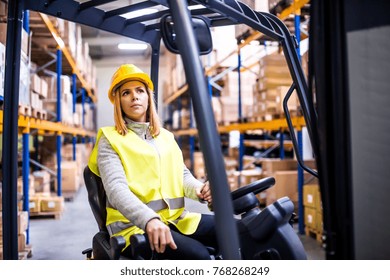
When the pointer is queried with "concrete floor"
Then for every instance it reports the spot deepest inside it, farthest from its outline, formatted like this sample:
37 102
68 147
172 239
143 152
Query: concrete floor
66 237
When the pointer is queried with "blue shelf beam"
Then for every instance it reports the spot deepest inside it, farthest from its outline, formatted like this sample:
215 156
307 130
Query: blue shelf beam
192 139
83 99
26 150
59 119
301 214
281 146
25 176
241 144
74 96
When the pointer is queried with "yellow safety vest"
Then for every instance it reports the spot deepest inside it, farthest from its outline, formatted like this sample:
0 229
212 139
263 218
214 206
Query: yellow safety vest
156 178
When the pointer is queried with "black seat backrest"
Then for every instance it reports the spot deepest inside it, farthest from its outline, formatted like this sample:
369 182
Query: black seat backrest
96 197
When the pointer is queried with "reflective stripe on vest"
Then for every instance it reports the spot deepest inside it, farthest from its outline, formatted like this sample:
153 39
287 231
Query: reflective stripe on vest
116 227
172 203
161 204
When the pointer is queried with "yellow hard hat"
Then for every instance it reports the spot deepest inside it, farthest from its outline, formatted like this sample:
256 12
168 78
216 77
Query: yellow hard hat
125 73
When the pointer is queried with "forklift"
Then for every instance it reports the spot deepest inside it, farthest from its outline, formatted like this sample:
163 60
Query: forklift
329 99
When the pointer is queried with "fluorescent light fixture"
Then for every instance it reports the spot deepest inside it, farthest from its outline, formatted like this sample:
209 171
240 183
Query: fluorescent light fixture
132 46
139 13
196 7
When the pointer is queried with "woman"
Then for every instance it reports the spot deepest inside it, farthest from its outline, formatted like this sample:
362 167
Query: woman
145 178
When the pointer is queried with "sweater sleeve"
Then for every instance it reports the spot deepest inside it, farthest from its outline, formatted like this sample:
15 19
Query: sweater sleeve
115 184
191 184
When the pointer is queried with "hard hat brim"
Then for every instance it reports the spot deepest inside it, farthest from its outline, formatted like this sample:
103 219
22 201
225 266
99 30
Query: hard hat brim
141 77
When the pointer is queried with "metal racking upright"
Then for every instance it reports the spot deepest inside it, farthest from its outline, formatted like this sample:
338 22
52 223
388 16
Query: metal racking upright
25 124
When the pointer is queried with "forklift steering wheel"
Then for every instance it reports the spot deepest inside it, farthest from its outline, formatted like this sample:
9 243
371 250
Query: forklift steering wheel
255 187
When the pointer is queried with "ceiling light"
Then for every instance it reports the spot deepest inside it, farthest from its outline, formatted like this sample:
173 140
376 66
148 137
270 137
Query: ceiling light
196 7
139 13
132 46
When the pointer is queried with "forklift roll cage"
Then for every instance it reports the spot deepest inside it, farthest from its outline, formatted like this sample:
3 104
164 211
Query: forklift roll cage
147 29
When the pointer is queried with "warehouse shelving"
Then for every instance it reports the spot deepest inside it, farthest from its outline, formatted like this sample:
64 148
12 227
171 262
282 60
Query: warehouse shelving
275 124
210 71
295 7
38 125
44 127
69 63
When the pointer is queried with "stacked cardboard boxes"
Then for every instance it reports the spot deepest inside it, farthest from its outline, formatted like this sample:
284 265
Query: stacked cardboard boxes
286 177
38 93
22 225
313 210
272 84
229 96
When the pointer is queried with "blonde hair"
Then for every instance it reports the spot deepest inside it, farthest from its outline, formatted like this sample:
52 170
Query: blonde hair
151 114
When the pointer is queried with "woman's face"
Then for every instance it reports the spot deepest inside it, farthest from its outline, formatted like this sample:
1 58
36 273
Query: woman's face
134 100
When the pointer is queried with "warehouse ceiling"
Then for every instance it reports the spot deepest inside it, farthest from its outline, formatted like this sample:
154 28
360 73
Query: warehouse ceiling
104 45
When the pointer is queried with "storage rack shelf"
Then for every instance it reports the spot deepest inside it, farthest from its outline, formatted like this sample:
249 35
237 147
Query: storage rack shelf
45 127
46 33
49 52
276 124
295 6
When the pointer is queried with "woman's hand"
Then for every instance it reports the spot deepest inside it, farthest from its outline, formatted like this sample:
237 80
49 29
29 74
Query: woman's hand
159 235
204 193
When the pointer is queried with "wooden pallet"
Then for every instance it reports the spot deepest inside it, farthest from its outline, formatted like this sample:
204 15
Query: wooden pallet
69 196
24 110
55 215
314 234
39 114
26 253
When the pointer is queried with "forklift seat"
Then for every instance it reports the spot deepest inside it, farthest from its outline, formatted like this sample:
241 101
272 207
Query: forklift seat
105 247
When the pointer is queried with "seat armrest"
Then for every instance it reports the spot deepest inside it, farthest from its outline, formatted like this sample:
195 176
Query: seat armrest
117 244
138 244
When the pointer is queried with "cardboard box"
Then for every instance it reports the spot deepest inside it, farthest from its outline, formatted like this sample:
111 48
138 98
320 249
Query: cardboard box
34 204
35 83
22 237
3 32
44 88
70 176
41 181
22 221
270 166
286 184
199 167
249 176
310 218
311 196
319 221
52 204
3 9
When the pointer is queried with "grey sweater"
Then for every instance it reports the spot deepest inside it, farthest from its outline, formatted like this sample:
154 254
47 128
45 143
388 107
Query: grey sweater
114 180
